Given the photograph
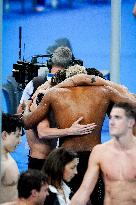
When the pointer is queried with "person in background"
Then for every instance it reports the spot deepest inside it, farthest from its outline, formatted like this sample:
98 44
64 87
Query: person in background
10 138
115 159
32 188
94 71
60 167
39 5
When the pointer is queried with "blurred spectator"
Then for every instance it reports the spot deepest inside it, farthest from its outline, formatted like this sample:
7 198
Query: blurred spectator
39 5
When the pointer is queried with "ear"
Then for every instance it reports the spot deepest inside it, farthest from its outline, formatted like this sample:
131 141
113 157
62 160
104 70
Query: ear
132 123
34 193
4 135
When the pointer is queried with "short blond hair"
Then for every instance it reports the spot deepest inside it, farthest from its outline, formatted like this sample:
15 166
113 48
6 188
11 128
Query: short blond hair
74 70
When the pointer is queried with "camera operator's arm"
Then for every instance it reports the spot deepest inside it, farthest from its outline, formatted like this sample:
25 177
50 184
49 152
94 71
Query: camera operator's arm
38 114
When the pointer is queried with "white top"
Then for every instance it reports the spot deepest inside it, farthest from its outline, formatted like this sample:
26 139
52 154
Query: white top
60 196
27 92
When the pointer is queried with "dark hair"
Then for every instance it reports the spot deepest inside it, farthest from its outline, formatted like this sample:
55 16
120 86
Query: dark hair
55 164
62 57
11 122
58 77
62 74
94 71
129 109
29 180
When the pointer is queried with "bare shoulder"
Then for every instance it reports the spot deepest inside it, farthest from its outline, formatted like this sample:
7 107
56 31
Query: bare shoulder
97 150
95 155
101 148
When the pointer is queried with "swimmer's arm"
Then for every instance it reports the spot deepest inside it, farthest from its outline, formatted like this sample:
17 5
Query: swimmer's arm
84 79
117 97
41 89
77 80
81 197
33 118
44 131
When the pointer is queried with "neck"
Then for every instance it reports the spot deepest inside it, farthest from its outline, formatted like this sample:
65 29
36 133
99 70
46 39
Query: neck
23 201
4 152
55 69
124 142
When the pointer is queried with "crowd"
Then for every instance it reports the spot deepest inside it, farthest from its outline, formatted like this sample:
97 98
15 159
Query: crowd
63 118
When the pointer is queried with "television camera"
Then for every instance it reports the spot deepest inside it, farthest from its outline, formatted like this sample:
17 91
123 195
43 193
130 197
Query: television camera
24 71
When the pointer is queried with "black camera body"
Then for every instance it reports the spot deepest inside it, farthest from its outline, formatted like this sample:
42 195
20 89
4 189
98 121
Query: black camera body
24 72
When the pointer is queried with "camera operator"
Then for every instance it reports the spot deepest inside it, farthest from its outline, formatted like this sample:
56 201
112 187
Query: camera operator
40 148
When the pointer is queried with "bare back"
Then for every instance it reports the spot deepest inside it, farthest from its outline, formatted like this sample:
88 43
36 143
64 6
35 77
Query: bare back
68 104
119 174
